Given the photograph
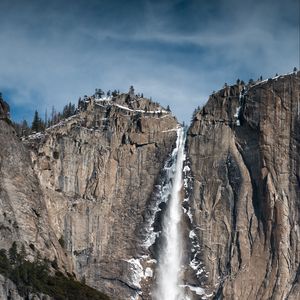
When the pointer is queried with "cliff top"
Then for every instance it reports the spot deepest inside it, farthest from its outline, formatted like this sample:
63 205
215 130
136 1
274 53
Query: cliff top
96 113
133 103
236 91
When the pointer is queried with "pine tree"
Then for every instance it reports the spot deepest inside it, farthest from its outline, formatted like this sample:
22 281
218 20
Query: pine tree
131 91
25 130
53 114
22 254
46 117
98 93
36 123
13 253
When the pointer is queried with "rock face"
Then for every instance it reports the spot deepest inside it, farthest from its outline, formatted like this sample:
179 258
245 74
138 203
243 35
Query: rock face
243 150
98 170
84 192
23 213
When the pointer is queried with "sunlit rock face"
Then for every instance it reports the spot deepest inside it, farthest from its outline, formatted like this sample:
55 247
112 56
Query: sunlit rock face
243 147
98 171
23 214
94 193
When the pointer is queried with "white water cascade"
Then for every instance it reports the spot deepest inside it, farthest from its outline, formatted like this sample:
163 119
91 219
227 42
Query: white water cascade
168 273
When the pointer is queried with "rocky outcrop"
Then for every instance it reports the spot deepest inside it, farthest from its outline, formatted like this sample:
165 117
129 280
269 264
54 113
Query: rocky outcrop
23 213
243 149
98 170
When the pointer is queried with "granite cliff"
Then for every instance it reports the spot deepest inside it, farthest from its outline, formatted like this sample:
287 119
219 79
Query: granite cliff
97 171
87 193
23 214
243 147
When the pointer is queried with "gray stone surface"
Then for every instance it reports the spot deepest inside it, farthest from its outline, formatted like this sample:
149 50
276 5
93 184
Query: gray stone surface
82 192
245 197
23 214
97 172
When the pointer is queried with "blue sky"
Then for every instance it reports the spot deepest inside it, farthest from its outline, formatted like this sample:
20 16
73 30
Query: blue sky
176 52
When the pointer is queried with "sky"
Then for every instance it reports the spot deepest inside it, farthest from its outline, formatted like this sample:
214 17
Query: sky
176 52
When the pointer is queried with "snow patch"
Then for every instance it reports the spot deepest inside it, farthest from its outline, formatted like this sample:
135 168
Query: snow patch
140 110
37 135
104 99
238 110
186 169
190 215
148 272
192 234
237 113
198 290
169 130
137 272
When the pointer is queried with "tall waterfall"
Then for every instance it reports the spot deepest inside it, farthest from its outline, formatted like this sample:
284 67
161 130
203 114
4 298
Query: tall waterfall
168 273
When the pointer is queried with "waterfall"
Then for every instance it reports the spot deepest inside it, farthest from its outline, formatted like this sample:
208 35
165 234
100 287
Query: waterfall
169 265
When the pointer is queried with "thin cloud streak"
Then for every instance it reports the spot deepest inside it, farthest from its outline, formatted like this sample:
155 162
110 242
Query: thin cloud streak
175 52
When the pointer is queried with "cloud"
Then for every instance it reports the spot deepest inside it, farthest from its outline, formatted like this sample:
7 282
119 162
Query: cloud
177 52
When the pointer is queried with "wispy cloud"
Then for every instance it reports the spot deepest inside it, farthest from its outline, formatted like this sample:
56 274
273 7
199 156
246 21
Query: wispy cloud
177 52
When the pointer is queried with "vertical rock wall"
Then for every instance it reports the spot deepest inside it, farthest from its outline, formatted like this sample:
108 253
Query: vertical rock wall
85 189
23 214
243 148
97 171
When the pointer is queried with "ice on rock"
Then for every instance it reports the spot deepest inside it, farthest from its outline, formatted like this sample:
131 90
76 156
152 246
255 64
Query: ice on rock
137 272
148 272
186 169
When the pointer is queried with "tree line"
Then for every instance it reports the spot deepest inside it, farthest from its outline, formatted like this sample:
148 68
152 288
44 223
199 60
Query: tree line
39 124
42 276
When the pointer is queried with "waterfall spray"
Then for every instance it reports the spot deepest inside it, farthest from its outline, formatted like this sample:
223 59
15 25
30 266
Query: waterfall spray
168 273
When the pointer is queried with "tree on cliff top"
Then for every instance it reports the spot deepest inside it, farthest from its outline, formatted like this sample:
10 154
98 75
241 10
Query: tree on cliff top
37 123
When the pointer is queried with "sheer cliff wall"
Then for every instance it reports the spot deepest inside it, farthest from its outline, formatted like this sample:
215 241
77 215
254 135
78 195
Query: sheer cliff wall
97 171
82 192
243 147
23 214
